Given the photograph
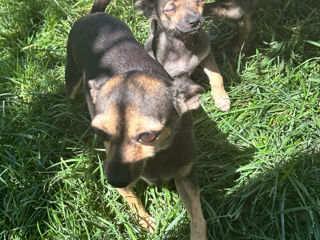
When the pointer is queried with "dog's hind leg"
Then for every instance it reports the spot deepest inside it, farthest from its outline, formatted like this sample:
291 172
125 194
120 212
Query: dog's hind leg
190 194
146 221
73 77
219 95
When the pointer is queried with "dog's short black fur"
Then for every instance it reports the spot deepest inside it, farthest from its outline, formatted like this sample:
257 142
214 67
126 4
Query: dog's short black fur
178 42
141 112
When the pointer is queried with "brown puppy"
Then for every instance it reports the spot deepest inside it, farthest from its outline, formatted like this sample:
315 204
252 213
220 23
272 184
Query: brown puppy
178 42
142 114
236 11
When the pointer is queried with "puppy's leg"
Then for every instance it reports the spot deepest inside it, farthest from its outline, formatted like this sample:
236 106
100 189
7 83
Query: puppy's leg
190 194
73 77
145 220
219 95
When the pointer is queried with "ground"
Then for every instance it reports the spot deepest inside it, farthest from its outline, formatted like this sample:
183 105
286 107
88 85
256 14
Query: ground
259 164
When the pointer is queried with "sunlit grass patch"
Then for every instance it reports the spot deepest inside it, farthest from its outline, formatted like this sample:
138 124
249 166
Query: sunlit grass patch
259 164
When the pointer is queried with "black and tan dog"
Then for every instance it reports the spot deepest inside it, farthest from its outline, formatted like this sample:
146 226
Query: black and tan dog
178 42
238 12
141 112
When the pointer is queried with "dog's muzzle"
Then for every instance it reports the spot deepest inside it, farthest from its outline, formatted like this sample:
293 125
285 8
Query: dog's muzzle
121 175
191 23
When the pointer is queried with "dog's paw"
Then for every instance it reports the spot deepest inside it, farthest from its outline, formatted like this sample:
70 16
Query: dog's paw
147 222
223 104
222 100
198 230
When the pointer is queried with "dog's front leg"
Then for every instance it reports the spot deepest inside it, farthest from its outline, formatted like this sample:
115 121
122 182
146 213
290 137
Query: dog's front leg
190 194
146 221
219 95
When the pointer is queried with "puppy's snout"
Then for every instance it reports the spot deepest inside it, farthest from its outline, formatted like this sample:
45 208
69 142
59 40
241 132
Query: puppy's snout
118 174
194 19
121 174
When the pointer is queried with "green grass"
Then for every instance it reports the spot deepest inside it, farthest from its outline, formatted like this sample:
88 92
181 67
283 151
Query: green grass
259 164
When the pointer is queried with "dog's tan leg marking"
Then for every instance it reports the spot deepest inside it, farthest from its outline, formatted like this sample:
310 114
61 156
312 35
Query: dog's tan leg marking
76 89
219 95
146 221
190 194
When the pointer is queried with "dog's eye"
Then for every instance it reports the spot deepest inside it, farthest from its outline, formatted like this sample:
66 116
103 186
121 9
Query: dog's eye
148 137
199 1
102 134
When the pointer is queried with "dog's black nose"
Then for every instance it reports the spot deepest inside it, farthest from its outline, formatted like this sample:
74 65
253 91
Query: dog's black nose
118 181
194 19
118 175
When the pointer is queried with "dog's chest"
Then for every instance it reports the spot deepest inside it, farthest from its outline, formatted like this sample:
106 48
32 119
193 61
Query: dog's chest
182 56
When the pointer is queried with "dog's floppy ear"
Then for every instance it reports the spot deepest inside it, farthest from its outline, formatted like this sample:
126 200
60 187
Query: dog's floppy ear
94 86
98 121
147 6
93 90
186 94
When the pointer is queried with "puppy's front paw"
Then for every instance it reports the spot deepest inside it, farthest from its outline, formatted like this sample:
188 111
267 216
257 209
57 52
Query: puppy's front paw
198 229
223 104
147 222
222 101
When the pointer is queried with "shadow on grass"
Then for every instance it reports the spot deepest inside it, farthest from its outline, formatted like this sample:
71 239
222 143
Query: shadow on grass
244 201
282 203
39 136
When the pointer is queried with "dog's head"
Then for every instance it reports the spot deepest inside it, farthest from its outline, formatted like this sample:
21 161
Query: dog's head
138 115
181 16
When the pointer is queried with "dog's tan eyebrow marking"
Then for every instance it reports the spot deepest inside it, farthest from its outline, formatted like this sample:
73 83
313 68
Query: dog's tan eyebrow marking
146 83
138 123
109 86
76 89
109 120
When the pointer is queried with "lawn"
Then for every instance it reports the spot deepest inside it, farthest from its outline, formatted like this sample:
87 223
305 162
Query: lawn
259 163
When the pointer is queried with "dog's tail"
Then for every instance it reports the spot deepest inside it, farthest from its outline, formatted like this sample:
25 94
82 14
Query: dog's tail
99 6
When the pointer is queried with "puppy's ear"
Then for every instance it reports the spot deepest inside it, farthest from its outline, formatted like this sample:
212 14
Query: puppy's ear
186 95
93 90
94 86
147 6
98 121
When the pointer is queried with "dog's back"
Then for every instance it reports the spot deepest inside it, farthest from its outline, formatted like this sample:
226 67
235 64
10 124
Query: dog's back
111 47
102 44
